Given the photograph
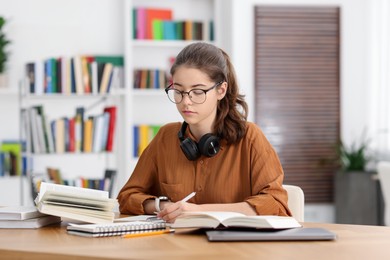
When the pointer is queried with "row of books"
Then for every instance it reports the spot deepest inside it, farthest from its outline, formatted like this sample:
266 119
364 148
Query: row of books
80 74
150 78
143 134
158 24
12 162
79 133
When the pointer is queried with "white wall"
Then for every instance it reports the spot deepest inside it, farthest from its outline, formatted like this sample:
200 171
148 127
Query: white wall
41 29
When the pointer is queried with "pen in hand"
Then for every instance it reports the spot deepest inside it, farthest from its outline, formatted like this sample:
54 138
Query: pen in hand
189 196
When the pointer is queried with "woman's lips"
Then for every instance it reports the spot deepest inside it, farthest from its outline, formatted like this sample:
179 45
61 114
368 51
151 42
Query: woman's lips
187 112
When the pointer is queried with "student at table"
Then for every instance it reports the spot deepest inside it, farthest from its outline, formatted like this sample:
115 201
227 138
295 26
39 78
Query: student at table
214 152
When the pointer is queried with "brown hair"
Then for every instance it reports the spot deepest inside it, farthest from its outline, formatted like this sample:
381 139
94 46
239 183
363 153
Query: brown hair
232 110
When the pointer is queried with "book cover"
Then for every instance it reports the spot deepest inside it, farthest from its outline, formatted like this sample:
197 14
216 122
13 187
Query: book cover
104 84
157 29
155 14
19 212
169 30
14 148
215 219
30 73
115 60
37 222
111 127
141 23
78 75
39 77
88 134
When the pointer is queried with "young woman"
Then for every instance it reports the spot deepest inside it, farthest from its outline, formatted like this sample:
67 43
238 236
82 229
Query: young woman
215 152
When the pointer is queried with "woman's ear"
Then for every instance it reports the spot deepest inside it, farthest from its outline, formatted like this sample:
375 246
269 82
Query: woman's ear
222 90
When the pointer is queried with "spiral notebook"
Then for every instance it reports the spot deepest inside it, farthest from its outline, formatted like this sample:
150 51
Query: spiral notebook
115 229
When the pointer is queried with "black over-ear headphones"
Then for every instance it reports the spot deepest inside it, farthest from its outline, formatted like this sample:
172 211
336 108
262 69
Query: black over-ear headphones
208 145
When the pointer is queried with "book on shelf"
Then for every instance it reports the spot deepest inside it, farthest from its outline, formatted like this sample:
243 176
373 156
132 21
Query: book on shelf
115 229
11 158
31 222
219 219
81 204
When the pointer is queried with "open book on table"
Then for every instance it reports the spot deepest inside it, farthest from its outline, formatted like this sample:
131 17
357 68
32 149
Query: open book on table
82 204
216 219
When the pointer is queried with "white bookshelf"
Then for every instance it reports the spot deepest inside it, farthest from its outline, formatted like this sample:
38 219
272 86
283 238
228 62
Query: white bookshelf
151 106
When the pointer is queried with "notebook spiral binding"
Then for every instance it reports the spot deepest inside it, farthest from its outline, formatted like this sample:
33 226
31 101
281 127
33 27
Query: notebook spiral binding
129 229
115 229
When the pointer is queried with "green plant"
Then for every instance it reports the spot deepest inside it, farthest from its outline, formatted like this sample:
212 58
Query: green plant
353 158
3 43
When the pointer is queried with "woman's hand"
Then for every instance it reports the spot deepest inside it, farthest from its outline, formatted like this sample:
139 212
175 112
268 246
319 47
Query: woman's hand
171 210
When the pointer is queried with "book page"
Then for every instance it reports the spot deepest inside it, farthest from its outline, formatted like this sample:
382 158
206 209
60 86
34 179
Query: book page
75 191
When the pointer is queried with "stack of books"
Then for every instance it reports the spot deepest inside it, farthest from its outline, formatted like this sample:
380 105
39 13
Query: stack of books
75 203
25 217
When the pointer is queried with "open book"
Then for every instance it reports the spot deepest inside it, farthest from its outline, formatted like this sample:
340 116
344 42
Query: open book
82 204
215 219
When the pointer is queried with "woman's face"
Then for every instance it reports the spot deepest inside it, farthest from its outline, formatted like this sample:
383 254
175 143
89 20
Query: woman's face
200 115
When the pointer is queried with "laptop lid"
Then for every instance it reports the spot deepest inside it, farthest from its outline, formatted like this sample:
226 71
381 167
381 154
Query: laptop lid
296 234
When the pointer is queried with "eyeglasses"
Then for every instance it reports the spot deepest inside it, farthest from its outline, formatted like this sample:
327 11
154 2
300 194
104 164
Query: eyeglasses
196 95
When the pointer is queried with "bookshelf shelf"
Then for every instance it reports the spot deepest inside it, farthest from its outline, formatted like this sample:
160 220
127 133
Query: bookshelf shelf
151 106
162 43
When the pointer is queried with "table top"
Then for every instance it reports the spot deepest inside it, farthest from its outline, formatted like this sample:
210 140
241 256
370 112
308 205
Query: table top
353 242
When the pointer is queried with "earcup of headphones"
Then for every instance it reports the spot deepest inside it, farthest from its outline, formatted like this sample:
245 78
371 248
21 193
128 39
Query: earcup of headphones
190 149
209 145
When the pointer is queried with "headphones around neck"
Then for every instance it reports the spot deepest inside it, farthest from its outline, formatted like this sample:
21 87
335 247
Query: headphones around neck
208 145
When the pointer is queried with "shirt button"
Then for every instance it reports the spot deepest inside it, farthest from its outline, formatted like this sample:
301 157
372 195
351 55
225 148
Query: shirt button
201 162
200 188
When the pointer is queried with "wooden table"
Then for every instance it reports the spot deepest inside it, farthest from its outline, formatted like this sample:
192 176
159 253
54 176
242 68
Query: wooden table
353 242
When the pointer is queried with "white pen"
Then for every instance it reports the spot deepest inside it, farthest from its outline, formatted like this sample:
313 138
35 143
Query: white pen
189 196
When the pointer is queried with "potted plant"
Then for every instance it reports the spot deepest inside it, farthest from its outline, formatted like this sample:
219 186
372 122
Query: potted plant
3 54
353 158
358 198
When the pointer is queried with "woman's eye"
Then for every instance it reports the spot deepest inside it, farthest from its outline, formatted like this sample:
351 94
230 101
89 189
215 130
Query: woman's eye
197 92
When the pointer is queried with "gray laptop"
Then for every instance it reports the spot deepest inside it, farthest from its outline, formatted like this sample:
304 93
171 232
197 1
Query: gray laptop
294 234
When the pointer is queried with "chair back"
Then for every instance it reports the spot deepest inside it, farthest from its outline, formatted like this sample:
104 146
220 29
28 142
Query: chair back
296 201
383 169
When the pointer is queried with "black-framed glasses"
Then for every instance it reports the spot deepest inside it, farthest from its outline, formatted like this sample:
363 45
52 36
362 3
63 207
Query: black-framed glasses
196 95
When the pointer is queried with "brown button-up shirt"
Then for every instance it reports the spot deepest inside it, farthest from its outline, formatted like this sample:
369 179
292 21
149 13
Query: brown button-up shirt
248 171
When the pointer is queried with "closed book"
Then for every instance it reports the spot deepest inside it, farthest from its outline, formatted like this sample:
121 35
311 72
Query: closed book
104 84
19 212
30 223
115 229
169 30
157 29
111 127
155 14
216 219
141 23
